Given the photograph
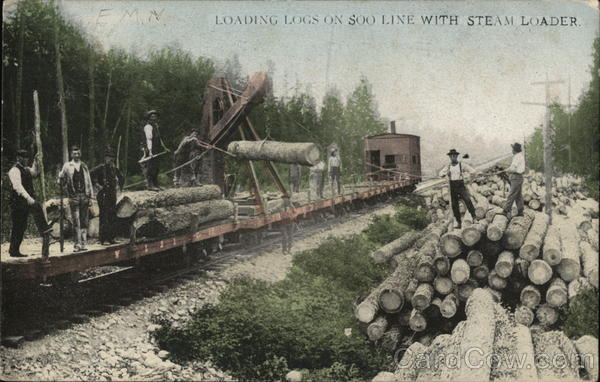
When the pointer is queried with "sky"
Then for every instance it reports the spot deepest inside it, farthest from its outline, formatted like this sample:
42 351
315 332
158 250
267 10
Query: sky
455 85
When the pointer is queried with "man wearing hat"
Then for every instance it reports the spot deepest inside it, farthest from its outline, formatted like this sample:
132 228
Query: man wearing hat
455 170
151 145
107 178
22 202
515 176
75 177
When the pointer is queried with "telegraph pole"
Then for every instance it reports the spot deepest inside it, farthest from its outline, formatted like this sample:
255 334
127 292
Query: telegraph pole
569 125
548 167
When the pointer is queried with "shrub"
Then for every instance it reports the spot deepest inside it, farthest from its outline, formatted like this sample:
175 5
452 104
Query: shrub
580 317
591 188
414 217
384 229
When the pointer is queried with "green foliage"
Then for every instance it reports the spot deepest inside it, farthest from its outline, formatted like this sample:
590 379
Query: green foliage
580 317
416 218
593 188
385 228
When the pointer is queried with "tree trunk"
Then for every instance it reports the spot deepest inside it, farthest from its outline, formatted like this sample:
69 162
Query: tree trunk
524 345
517 230
530 250
134 201
443 285
449 306
451 243
546 315
569 267
302 153
61 95
524 315
587 347
160 221
417 321
589 258
539 272
472 234
530 296
464 291
504 264
377 328
496 229
92 102
383 254
535 204
474 258
422 297
495 281
481 272
441 265
557 294
19 90
460 271
491 214
481 207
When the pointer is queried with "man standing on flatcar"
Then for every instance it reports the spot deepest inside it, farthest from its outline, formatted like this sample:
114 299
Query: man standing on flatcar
106 179
454 170
22 202
75 177
334 169
151 146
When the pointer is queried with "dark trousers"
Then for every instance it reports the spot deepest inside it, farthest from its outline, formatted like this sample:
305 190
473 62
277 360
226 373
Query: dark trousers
107 204
458 191
19 213
80 206
150 170
334 176
515 195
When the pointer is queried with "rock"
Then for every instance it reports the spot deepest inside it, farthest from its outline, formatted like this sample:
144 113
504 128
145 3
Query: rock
163 354
293 376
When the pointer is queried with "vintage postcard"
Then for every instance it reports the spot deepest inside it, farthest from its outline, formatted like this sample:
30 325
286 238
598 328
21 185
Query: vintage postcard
300 190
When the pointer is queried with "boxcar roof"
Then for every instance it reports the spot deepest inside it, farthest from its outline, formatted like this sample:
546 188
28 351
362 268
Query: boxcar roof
391 135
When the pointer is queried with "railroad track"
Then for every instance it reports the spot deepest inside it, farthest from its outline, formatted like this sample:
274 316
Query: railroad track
32 310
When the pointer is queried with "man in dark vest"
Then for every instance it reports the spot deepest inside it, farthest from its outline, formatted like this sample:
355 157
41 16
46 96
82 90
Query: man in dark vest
75 177
151 146
458 191
22 202
107 179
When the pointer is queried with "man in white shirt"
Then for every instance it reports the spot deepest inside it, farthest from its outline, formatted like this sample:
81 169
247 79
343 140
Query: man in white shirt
334 170
515 175
151 145
454 170
22 202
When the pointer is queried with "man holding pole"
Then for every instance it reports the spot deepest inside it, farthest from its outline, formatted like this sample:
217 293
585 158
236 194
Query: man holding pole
515 176
106 179
454 170
151 147
75 176
22 202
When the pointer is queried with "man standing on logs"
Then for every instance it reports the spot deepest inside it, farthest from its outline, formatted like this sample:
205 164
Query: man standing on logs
22 202
515 176
151 147
75 177
334 167
106 178
454 170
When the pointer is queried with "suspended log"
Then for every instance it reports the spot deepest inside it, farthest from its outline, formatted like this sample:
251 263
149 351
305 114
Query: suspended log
478 334
530 296
160 221
134 201
524 315
417 321
552 253
443 285
449 306
587 347
557 294
472 234
441 265
283 152
474 258
495 281
569 267
517 230
422 297
496 228
539 272
451 243
481 272
464 291
546 315
383 254
589 258
504 264
377 328
460 271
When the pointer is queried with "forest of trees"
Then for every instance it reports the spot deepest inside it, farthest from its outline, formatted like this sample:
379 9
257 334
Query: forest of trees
576 139
107 92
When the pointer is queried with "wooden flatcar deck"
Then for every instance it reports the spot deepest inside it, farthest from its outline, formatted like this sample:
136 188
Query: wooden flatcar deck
34 267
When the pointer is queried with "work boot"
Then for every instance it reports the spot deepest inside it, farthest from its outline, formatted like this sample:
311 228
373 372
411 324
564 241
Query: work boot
77 238
17 255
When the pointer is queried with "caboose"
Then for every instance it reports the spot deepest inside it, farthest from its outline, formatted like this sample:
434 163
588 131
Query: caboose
393 156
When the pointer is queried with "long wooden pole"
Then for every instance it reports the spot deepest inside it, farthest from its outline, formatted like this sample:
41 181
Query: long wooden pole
40 152
61 95
548 154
